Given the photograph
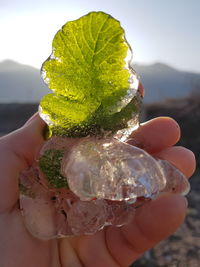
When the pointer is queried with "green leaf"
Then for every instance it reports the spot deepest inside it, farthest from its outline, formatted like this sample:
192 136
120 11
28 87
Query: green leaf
50 164
87 72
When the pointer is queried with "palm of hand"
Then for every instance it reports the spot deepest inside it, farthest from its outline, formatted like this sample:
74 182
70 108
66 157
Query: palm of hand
111 247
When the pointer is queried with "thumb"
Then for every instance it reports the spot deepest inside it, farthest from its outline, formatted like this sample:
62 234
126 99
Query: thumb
18 150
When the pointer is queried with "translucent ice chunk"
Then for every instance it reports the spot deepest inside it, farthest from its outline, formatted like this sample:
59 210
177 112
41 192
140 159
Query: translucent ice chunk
37 209
120 213
58 213
107 179
176 182
87 216
110 169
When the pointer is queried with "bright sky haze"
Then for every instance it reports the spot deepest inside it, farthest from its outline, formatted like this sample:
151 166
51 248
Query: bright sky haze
157 30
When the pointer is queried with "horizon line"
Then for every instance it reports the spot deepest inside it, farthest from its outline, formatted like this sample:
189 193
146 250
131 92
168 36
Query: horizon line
138 63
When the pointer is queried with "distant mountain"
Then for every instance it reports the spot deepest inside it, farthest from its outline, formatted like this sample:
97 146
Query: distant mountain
23 84
161 82
20 83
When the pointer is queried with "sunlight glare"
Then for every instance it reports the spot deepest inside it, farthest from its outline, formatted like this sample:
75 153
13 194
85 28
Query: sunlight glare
31 37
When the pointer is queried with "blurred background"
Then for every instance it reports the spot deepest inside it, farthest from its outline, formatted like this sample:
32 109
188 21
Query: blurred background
165 39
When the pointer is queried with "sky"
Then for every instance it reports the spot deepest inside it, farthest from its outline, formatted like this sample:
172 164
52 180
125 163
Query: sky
157 30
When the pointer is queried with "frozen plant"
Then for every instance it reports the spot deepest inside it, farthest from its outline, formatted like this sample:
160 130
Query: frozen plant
86 176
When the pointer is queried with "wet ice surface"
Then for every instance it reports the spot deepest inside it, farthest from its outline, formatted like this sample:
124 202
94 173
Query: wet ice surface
107 179
110 169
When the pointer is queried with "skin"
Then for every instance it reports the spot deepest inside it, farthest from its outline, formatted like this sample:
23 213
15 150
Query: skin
112 247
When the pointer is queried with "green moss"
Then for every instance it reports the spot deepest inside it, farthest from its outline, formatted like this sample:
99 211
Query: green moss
50 164
26 191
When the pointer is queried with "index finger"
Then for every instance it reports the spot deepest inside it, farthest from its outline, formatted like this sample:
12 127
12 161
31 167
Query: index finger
156 134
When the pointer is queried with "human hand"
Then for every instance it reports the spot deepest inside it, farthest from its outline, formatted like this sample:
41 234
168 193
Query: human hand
111 247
